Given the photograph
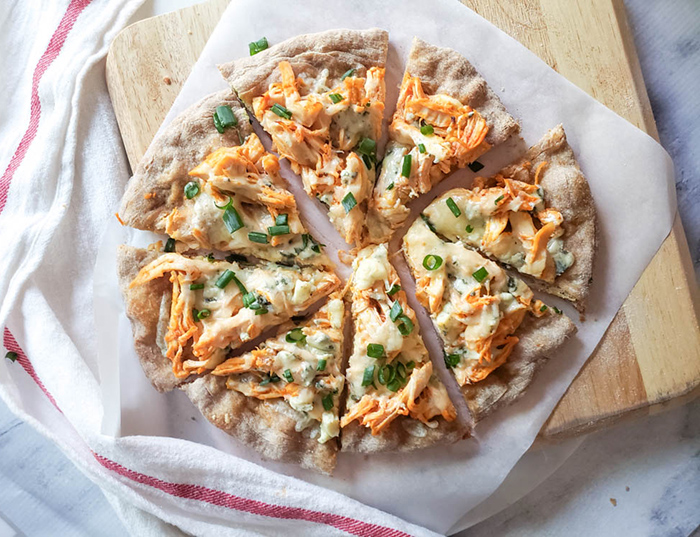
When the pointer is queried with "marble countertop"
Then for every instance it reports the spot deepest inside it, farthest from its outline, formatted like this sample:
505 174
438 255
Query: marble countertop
639 478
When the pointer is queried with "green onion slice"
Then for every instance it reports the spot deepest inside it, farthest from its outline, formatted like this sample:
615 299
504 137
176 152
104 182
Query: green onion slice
453 207
480 274
191 189
367 146
349 202
258 46
295 335
256 236
427 130
196 286
391 185
281 111
421 148
288 375
336 97
11 356
169 245
274 231
410 365
400 372
405 325
432 262
203 314
396 310
406 166
498 199
327 401
349 72
394 385
394 289
226 277
556 310
282 220
469 229
224 118
368 376
232 220
321 365
543 308
386 374
452 360
375 350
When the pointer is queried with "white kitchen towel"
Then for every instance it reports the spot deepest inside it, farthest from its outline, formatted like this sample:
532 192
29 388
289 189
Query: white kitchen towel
63 173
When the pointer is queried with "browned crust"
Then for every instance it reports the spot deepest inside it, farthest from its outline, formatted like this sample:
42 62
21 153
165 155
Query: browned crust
265 426
567 190
443 70
539 337
144 304
335 50
355 437
157 185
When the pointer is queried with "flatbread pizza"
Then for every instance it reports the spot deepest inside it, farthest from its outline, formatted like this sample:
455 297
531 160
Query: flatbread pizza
536 216
395 401
321 99
283 397
212 306
445 118
479 312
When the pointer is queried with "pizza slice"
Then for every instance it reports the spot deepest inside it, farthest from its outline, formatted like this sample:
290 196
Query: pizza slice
207 182
282 399
395 400
536 216
321 99
446 117
187 313
495 333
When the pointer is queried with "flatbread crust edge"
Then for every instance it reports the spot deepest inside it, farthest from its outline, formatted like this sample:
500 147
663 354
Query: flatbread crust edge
335 50
144 304
565 188
265 426
443 70
355 437
158 184
539 337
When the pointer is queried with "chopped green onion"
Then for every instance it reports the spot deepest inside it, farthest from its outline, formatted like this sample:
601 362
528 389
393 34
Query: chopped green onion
386 374
336 97
427 130
400 372
226 277
321 365
475 166
327 401
498 199
169 245
396 310
368 376
281 111
391 185
296 335
195 313
282 220
232 220
543 308
288 375
406 166
240 285
405 325
452 360
196 286
191 189
258 46
556 310
306 238
203 314
421 148
349 72
367 146
453 207
428 223
349 202
432 262
261 311
11 356
237 258
394 385
211 258
251 301
480 274
224 118
375 350
226 205
256 236
469 229
271 377
368 161
410 365
274 231
394 289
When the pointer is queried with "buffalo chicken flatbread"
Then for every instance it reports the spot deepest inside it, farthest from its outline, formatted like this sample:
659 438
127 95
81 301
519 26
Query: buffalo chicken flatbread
321 99
445 118
536 216
212 306
395 400
479 313
231 199
283 397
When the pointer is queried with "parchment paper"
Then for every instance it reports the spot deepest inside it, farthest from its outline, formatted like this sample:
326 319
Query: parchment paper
631 178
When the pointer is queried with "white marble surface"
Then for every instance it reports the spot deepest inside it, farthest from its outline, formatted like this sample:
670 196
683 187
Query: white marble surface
658 458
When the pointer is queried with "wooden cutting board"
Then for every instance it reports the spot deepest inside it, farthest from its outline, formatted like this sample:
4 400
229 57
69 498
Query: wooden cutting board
650 356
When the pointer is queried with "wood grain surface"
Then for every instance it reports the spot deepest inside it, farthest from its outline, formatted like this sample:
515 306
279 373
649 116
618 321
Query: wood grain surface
649 358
